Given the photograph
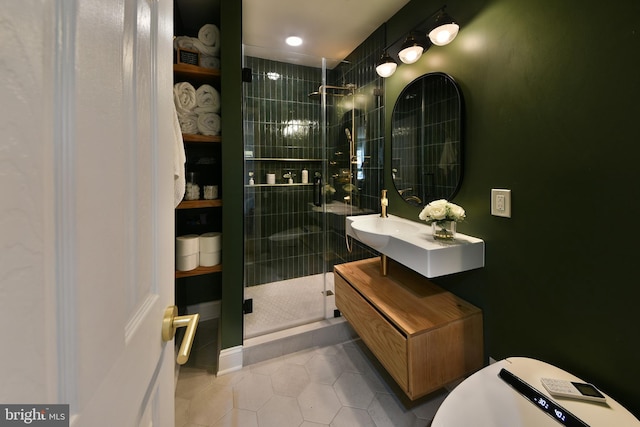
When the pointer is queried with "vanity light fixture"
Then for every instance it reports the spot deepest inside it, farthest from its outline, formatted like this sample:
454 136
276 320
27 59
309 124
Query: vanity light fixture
386 66
439 29
445 29
411 50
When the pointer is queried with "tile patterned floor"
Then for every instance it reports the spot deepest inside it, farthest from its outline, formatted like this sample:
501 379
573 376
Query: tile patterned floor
339 386
288 303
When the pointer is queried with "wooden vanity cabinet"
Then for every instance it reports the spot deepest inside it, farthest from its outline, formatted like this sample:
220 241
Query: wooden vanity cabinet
424 336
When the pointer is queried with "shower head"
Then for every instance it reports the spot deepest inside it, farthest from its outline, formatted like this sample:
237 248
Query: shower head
332 91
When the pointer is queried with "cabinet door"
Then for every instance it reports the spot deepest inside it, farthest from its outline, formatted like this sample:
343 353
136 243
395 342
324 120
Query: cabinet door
445 354
383 339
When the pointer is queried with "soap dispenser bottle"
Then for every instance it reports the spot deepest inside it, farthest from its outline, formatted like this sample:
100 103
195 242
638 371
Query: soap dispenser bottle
251 180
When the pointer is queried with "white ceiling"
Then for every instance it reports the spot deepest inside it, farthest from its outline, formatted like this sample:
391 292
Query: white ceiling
330 28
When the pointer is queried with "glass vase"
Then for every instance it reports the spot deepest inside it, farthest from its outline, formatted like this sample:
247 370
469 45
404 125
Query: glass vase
443 230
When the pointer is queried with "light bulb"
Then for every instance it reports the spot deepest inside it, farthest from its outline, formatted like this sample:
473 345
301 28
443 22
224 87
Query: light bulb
386 65
294 41
444 34
411 54
386 69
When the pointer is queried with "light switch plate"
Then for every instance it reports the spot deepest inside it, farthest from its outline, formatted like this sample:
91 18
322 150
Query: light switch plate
501 202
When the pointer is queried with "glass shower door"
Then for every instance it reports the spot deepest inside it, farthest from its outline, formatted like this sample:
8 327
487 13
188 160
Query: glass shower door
284 220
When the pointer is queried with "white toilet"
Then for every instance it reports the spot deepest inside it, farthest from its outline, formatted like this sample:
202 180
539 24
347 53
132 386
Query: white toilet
486 400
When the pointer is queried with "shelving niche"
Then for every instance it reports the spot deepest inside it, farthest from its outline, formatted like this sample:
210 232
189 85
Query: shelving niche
203 145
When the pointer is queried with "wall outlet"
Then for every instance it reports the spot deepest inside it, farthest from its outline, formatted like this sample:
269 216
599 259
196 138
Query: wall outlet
501 202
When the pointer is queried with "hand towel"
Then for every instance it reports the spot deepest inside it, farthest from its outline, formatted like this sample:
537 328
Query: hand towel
179 159
209 124
448 157
208 97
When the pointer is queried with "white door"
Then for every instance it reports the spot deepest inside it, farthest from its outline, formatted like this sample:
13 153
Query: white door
86 215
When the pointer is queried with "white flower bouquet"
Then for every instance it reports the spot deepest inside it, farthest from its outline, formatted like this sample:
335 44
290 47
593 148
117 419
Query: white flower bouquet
441 210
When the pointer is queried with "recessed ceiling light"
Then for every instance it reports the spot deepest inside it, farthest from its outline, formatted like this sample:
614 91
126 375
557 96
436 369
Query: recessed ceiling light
294 41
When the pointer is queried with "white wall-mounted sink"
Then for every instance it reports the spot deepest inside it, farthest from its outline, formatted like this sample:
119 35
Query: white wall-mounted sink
412 244
375 231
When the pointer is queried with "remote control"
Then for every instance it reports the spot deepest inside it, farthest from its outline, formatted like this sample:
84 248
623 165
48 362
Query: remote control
572 389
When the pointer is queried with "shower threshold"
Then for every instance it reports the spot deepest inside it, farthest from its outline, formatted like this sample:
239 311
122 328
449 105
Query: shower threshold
322 333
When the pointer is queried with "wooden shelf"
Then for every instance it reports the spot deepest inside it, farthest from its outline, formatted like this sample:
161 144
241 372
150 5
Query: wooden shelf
196 204
189 137
279 159
199 271
190 71
295 184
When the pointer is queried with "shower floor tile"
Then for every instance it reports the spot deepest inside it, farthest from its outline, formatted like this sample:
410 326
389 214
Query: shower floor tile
288 303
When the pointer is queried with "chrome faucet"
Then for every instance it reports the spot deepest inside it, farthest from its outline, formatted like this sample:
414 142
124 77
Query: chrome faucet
384 202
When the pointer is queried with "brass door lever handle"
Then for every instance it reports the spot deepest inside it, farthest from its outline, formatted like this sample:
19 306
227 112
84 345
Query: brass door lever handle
171 322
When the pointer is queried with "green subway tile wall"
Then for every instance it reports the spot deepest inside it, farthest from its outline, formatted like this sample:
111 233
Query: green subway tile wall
283 131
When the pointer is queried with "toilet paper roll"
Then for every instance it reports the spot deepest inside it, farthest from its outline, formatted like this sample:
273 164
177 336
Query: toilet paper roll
210 242
187 244
271 178
209 259
188 262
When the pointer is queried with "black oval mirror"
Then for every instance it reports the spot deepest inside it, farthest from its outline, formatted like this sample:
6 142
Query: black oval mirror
426 140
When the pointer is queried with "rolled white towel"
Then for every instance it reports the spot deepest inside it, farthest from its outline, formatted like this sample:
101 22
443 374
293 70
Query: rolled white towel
207 61
208 97
188 122
207 50
192 43
184 42
209 34
209 124
184 97
203 110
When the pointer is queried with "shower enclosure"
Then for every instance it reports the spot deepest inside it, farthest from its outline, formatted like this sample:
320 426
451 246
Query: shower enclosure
310 159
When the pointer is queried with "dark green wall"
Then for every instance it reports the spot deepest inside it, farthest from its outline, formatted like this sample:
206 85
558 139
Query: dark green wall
551 94
232 182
